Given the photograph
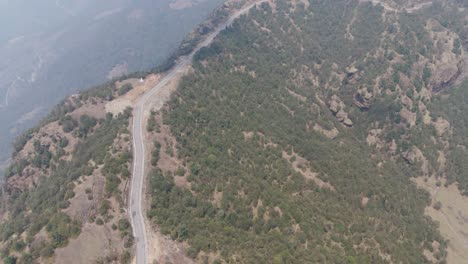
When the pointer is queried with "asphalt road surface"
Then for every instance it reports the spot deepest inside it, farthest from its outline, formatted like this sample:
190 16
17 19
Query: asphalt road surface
136 189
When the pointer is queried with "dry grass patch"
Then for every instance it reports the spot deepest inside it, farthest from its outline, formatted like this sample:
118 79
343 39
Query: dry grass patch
93 243
329 133
119 104
168 157
452 216
96 110
88 195
302 166
296 95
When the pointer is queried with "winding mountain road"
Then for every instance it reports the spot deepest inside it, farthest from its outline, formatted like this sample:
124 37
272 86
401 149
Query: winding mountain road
138 176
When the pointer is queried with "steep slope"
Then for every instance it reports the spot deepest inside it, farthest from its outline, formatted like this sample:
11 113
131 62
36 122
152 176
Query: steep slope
149 249
298 134
54 48
64 197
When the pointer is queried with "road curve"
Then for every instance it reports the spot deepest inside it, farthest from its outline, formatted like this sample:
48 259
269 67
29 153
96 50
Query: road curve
138 175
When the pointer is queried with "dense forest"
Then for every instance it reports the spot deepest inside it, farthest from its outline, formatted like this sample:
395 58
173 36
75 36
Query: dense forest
301 128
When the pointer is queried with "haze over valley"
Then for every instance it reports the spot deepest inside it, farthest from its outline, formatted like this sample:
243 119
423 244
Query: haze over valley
50 49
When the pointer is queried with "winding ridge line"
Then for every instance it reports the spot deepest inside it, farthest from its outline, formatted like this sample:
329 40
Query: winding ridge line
138 175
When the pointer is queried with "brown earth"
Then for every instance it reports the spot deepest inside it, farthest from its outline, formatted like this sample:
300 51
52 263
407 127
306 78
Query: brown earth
452 216
302 166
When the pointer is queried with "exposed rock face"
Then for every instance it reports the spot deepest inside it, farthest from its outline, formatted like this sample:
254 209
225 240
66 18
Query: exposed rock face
352 75
445 76
363 99
415 155
334 104
342 116
373 138
337 108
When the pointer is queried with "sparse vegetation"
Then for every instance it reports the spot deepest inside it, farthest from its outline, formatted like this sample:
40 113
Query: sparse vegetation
31 210
259 179
151 122
125 89
274 72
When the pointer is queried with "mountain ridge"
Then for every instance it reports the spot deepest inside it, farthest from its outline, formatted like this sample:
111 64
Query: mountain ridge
301 134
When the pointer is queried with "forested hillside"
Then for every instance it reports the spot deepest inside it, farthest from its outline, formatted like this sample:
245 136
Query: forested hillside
302 134
301 128
64 198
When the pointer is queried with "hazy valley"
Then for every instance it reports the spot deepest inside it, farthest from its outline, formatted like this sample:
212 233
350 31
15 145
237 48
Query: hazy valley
51 49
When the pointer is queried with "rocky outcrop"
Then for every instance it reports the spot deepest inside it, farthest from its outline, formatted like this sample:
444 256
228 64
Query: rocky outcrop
342 116
415 155
352 75
363 99
337 108
445 76
373 138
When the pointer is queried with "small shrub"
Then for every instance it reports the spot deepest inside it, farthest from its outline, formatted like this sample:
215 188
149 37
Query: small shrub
99 221
125 89
125 257
123 224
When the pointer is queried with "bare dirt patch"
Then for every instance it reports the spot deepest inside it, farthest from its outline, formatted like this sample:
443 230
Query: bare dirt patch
329 133
418 7
364 201
88 194
408 116
96 110
93 243
96 242
256 207
441 126
164 94
302 166
168 158
217 196
119 104
452 216
248 135
296 95
164 250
